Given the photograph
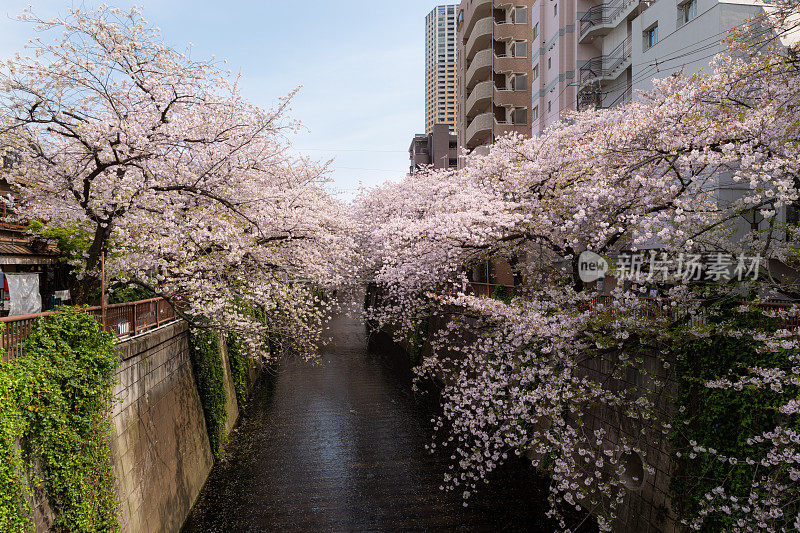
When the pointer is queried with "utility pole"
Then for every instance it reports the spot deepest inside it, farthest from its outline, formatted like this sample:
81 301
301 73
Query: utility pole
103 288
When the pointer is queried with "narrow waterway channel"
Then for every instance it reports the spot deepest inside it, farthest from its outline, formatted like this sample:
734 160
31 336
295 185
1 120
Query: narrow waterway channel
340 446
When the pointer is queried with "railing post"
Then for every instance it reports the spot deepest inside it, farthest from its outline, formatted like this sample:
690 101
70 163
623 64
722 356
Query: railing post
103 289
135 322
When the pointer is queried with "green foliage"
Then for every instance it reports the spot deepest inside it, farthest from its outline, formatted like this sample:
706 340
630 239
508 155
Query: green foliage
504 293
207 362
71 239
14 393
124 294
720 419
239 359
56 402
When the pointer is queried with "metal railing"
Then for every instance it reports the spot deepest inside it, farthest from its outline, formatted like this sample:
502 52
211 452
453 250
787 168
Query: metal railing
124 320
605 65
488 289
603 14
661 308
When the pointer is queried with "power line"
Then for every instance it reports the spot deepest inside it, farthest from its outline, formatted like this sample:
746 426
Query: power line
351 150
369 169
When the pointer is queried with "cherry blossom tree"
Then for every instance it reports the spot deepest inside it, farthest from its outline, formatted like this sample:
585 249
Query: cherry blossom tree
187 187
651 174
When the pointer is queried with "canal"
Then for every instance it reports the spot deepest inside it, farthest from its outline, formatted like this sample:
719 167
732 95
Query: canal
340 446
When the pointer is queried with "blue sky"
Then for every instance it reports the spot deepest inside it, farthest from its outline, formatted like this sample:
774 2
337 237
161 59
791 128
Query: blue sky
361 65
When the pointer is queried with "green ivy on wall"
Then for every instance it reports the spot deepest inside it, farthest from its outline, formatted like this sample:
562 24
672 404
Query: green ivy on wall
239 359
207 363
14 395
55 414
722 419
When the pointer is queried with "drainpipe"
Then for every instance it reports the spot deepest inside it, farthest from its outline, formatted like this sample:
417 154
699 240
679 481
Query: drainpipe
491 79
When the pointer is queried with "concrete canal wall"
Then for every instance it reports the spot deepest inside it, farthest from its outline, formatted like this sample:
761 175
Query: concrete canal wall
161 455
161 452
647 507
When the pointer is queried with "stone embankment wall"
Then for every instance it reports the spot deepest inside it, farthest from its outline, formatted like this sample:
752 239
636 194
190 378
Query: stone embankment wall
647 507
161 455
161 452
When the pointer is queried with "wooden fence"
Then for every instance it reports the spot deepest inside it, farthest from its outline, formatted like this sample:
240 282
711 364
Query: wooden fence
124 320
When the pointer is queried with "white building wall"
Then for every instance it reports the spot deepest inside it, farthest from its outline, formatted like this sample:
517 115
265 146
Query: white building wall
689 47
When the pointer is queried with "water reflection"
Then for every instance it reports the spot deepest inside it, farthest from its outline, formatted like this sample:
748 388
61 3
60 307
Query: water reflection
340 447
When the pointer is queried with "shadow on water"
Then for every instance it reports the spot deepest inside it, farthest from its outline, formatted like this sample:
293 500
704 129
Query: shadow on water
340 446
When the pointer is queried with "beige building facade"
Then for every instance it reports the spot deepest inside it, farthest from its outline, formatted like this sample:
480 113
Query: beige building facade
495 45
440 68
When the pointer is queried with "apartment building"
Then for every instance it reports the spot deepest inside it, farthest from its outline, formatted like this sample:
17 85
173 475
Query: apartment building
557 59
438 149
685 35
632 42
604 34
495 45
522 65
440 68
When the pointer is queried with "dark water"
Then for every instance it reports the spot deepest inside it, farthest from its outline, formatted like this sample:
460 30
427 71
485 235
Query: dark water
340 447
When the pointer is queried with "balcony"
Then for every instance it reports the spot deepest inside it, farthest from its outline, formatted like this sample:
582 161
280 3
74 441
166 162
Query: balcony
479 131
477 10
480 69
509 31
507 97
480 38
607 67
507 64
478 99
601 19
504 126
594 99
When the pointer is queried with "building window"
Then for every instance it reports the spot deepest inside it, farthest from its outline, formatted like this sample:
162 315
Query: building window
651 36
535 113
536 30
519 116
549 106
520 15
535 73
555 10
549 63
686 12
520 82
520 49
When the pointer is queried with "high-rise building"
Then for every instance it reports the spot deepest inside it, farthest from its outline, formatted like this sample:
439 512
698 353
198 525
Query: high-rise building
523 64
495 70
440 67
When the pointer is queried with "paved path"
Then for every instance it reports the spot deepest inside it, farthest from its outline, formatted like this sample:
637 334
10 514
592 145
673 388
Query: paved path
340 447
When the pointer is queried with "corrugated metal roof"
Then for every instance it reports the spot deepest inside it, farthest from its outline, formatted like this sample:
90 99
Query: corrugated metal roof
15 249
20 248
